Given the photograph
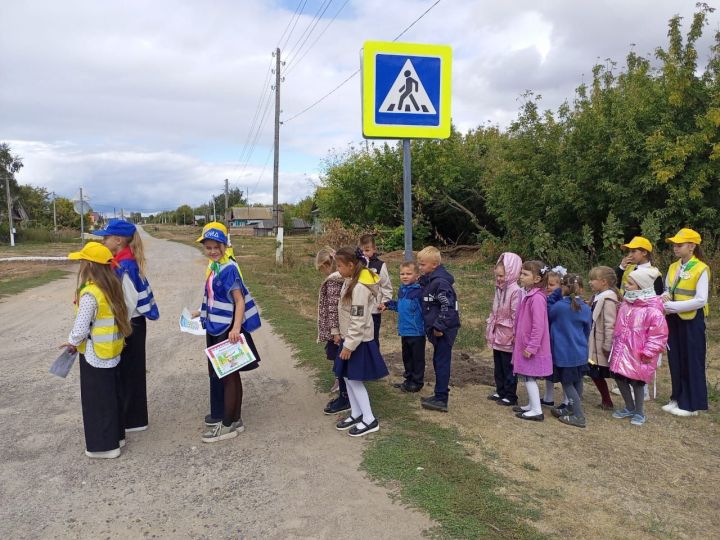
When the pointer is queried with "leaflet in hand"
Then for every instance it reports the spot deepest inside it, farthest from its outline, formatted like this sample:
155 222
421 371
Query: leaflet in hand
189 324
62 364
227 357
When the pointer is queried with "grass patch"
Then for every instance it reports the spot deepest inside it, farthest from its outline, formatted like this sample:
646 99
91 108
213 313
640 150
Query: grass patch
19 284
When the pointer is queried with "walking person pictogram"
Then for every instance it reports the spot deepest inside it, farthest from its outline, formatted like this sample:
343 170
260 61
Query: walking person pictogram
407 94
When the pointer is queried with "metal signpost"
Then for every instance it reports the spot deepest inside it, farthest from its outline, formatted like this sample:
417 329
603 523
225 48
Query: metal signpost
406 95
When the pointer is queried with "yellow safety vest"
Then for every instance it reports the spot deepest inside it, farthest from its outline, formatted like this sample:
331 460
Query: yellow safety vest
685 287
107 341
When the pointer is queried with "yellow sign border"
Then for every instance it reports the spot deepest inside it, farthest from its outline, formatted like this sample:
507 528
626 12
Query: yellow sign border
370 129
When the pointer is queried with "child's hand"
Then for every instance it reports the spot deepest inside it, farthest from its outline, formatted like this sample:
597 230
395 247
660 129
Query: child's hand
72 349
195 314
234 336
382 307
665 297
626 260
437 333
336 339
345 354
527 354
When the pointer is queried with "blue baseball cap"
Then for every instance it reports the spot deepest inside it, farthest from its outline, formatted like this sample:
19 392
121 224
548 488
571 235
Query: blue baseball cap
214 234
117 227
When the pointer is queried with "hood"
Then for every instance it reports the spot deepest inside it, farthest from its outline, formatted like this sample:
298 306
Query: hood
441 273
513 264
370 279
415 285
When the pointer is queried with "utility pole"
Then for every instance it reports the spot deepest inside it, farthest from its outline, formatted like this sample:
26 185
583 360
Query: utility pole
82 220
276 163
227 214
9 203
54 214
214 213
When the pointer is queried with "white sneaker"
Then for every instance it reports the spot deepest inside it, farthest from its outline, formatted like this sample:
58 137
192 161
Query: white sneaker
672 404
108 454
683 412
140 428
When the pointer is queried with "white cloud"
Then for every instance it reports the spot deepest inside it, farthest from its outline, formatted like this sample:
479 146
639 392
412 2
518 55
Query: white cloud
158 97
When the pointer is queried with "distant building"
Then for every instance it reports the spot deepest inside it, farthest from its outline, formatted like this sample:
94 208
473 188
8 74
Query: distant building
250 216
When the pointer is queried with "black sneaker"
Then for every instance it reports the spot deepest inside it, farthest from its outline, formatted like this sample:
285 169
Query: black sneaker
547 403
337 405
494 397
347 423
434 404
411 388
562 410
210 421
399 385
356 431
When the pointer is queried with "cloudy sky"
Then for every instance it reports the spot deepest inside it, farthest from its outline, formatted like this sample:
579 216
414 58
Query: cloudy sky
149 105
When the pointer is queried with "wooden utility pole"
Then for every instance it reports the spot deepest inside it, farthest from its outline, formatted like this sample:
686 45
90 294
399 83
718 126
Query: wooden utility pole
9 203
54 214
82 220
276 164
227 213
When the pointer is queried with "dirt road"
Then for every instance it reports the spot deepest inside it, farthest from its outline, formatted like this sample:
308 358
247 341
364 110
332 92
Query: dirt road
290 475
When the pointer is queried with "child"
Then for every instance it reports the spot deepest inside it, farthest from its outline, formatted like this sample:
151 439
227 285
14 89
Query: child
500 333
123 240
359 359
100 317
639 255
227 311
570 320
217 399
531 352
640 336
686 306
442 322
554 283
411 327
604 310
369 251
328 322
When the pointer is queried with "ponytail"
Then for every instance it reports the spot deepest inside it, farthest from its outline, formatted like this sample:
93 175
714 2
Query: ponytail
573 284
348 255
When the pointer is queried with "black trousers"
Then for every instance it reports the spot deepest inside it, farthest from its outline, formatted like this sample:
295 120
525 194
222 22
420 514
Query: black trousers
413 355
101 408
686 357
133 380
505 380
377 319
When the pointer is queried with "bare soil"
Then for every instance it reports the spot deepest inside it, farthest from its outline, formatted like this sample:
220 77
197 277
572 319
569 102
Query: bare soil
290 475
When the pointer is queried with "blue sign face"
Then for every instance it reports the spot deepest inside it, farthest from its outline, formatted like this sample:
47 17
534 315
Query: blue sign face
407 90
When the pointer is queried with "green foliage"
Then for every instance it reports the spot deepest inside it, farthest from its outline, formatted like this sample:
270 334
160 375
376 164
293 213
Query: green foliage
637 150
184 215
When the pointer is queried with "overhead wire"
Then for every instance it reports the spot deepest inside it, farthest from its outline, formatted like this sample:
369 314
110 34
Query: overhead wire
309 29
331 92
320 35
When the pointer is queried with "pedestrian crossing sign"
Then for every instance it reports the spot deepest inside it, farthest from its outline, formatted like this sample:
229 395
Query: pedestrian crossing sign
406 90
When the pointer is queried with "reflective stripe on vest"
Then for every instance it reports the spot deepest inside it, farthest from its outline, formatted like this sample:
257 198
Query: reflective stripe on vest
146 305
219 317
686 289
107 341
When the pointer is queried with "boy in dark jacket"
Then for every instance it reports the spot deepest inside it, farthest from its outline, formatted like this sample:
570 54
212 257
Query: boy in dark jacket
442 321
411 327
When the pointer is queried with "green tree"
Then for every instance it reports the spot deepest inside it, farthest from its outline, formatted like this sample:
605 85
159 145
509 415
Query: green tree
184 215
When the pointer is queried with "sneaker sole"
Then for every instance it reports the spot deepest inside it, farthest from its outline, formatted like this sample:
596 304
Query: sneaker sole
373 430
232 434
109 454
141 428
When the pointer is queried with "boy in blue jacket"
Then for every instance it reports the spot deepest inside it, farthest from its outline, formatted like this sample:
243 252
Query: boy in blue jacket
442 321
411 327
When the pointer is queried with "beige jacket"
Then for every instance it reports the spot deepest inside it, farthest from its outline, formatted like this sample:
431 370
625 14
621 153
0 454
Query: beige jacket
601 334
356 323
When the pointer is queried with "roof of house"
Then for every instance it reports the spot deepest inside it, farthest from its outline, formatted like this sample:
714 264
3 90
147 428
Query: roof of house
298 223
252 212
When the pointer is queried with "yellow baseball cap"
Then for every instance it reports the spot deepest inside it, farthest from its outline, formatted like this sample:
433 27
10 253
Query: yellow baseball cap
93 252
639 242
685 235
212 225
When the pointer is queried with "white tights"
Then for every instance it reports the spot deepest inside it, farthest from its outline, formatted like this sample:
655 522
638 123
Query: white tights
533 391
359 401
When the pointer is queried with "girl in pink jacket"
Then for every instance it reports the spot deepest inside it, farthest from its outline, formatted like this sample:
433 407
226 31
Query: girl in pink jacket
500 332
640 336
531 352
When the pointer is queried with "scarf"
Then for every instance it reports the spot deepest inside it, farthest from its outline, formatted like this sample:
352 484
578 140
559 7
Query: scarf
123 255
642 294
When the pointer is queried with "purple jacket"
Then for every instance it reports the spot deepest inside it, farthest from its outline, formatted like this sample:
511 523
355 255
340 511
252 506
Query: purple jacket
500 332
532 335
640 336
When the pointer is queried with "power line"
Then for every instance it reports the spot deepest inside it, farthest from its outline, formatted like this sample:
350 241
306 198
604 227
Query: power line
258 131
258 108
295 63
358 70
294 24
289 22
309 29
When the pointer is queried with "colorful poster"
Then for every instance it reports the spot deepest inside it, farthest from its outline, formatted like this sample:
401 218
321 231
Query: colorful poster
190 325
227 357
